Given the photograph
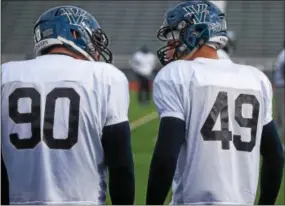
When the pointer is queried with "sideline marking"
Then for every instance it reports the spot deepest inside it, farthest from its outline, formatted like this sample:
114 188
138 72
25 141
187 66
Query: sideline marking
143 120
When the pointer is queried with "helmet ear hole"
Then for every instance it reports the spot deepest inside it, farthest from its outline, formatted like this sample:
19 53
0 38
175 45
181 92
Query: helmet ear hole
199 28
75 34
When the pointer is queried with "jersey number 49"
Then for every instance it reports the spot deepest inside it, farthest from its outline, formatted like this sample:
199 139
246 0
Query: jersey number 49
224 135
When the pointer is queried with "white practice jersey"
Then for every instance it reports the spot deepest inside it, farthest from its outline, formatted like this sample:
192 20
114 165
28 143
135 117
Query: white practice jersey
222 54
225 106
54 108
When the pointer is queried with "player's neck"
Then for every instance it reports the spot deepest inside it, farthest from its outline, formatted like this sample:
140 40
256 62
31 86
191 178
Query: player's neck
205 52
61 50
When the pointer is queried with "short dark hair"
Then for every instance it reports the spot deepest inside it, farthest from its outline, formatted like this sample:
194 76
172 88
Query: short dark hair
144 49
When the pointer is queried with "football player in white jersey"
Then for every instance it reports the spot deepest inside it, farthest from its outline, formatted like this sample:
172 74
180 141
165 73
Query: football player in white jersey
65 117
215 117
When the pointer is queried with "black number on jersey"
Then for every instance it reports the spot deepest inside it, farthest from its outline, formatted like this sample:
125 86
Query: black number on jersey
220 107
34 118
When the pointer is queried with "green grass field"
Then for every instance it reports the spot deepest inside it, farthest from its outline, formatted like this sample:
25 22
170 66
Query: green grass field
143 141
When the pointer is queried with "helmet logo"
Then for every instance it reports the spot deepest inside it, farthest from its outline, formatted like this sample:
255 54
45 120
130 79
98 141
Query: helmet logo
199 12
37 34
76 16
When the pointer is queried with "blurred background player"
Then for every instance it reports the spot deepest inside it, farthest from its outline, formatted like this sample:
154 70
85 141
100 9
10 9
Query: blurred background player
279 91
143 63
65 117
215 117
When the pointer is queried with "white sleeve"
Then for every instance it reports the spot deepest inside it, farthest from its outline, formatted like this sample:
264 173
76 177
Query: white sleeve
167 99
267 96
153 61
118 100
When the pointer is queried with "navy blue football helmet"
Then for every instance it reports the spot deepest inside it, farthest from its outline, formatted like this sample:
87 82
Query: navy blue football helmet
189 25
73 28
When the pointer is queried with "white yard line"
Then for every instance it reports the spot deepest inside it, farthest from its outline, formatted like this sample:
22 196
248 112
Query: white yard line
155 138
143 120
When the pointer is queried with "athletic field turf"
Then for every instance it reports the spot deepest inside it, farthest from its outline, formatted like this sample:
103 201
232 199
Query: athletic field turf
144 125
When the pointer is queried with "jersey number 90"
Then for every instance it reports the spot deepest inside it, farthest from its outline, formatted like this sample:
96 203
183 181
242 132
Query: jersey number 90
224 135
34 118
